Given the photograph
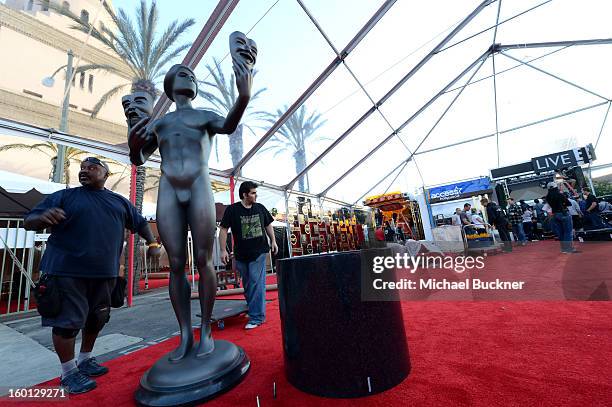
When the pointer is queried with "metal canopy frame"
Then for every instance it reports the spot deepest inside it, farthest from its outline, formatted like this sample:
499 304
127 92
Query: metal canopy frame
209 32
394 89
340 56
222 12
496 48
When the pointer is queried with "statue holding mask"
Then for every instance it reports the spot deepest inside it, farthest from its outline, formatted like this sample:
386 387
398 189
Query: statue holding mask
185 201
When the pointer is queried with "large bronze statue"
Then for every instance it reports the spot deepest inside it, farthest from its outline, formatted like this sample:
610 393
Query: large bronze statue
185 198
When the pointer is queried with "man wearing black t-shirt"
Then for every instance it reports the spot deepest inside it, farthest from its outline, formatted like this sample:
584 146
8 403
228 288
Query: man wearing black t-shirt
82 255
591 213
561 217
497 218
250 222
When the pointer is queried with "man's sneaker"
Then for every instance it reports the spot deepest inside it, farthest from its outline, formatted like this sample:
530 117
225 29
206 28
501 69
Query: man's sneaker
77 383
250 326
90 367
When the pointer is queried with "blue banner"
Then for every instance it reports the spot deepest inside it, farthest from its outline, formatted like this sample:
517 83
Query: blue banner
459 190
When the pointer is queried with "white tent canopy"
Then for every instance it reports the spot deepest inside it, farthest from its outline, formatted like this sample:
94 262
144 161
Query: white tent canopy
17 183
408 94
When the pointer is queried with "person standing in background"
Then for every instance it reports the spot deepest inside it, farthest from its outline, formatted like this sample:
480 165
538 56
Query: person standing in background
497 218
250 222
515 215
561 218
527 216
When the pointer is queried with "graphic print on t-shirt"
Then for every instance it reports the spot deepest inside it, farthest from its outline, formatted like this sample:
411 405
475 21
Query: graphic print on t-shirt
251 227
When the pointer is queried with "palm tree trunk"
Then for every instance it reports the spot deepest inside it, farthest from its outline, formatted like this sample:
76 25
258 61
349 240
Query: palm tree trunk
141 175
52 173
300 164
67 172
236 146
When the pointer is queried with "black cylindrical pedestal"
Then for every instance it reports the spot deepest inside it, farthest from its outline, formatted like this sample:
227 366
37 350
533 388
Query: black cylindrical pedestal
335 344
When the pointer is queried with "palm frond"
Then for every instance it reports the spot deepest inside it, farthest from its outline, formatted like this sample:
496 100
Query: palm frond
130 41
38 147
94 67
169 57
148 34
291 137
250 128
214 100
258 93
79 24
167 40
106 97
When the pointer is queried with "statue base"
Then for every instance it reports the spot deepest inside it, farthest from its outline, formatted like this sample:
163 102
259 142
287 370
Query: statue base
193 379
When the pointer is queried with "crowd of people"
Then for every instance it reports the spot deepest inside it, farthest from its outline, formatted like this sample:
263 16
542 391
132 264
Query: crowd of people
560 214
393 232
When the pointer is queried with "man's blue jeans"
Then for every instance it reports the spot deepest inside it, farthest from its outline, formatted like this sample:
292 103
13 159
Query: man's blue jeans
563 225
254 282
519 232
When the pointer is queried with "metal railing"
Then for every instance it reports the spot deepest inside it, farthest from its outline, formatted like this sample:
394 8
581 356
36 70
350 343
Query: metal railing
19 249
152 265
486 226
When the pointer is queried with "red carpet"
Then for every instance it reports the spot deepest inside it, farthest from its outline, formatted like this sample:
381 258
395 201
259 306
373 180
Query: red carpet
548 275
545 353
5 308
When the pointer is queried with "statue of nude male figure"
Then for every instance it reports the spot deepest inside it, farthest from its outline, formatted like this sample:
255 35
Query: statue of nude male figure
185 197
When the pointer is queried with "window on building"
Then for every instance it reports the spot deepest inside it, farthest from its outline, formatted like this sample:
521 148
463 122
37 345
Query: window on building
102 27
65 6
73 81
30 5
85 16
90 85
45 5
29 92
82 80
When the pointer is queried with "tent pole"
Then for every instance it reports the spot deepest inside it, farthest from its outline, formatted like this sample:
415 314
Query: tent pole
335 63
208 33
394 89
480 60
598 41
522 126
554 76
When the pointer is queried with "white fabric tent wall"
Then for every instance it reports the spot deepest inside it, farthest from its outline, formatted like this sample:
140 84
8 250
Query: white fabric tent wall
17 183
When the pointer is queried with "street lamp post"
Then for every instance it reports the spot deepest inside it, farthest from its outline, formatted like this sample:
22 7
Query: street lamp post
58 175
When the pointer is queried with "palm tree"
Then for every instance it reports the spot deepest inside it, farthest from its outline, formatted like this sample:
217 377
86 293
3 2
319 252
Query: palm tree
221 94
143 50
292 137
152 181
73 155
119 177
139 45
